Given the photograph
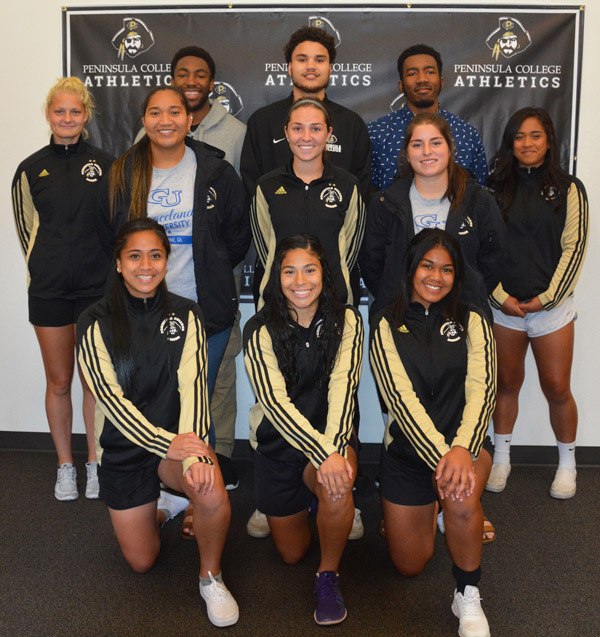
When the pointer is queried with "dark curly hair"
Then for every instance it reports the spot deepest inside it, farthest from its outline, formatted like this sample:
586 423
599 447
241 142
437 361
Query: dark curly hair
197 52
310 34
284 335
419 49
504 166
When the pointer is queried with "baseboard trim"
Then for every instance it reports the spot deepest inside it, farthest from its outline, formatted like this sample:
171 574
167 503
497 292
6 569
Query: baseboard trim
369 452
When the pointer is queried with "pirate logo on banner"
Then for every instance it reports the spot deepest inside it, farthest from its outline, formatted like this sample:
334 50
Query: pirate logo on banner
327 25
510 38
133 39
227 97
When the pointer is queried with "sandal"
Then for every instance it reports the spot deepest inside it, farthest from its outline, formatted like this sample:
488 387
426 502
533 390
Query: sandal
187 527
489 531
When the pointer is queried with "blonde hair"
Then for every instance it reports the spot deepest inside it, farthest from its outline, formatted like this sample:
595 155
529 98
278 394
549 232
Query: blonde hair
74 86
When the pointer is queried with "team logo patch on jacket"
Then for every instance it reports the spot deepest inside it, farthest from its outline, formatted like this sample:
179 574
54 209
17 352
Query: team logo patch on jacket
211 198
172 327
44 173
466 226
403 329
452 331
333 146
281 191
91 171
331 195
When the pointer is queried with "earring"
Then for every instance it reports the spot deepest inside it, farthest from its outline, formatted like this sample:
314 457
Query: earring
119 270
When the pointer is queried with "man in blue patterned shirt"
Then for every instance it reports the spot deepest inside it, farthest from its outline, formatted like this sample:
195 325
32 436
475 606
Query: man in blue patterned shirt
420 69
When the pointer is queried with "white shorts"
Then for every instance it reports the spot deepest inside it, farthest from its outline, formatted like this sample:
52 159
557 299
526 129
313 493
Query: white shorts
539 323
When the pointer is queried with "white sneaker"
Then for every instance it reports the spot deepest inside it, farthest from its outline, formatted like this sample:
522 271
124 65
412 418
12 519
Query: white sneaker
258 526
565 484
472 619
357 530
221 608
498 477
171 504
440 523
66 483
92 487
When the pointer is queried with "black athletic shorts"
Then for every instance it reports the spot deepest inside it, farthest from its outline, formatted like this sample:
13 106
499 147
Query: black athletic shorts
407 483
126 489
279 489
57 312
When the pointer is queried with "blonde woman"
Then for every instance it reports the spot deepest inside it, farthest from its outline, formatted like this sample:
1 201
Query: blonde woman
54 194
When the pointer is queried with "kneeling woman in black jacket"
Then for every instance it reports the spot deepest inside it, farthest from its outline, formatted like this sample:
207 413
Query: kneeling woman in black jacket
143 354
303 353
434 362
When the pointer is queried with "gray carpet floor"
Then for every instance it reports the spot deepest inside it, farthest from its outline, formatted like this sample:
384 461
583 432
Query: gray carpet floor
61 573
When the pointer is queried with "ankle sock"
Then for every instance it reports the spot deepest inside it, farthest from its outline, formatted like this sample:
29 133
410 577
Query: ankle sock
206 581
566 455
502 448
465 578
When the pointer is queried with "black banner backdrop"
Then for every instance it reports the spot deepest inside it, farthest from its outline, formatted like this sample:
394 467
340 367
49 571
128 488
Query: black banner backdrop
496 60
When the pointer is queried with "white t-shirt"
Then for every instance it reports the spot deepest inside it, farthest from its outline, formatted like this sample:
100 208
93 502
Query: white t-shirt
171 203
428 213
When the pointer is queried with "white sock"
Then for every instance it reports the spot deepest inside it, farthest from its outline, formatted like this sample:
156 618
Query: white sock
566 455
502 448
171 504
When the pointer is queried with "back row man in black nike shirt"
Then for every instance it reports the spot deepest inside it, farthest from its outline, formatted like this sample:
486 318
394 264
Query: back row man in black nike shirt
309 53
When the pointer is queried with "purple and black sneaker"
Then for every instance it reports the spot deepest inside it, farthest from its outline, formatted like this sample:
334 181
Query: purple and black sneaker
330 607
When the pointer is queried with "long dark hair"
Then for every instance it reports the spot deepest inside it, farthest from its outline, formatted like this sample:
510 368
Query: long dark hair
420 245
458 177
140 157
504 165
121 332
279 316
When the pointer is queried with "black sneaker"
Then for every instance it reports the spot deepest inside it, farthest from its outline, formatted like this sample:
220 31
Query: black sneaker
229 473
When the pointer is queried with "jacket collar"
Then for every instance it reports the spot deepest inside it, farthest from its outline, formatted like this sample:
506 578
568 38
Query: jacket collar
139 305
65 150
327 171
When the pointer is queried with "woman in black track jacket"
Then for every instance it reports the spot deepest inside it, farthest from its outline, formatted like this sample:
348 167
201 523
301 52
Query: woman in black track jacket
310 195
546 214
143 353
55 203
303 353
434 362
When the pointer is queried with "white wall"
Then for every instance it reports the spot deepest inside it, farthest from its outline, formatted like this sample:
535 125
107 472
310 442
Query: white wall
31 47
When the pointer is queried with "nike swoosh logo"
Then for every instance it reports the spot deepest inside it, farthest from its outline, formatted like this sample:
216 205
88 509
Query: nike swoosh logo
276 141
